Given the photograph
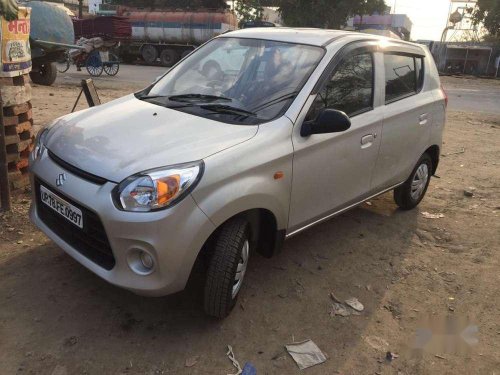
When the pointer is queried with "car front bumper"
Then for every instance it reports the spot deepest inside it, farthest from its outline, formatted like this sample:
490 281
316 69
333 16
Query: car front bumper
173 237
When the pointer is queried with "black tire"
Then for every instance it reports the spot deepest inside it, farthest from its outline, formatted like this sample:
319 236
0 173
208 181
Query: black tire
168 57
185 53
223 265
45 75
149 54
403 194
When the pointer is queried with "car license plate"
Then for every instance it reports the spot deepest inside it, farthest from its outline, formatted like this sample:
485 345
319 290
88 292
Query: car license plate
63 208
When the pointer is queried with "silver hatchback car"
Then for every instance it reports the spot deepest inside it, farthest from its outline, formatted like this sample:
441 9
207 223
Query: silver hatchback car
254 137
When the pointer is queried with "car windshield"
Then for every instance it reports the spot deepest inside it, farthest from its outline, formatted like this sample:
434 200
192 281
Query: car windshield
236 80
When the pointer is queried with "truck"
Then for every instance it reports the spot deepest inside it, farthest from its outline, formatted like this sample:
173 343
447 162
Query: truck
167 35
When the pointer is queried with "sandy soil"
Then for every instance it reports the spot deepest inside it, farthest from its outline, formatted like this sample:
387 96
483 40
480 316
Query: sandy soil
58 318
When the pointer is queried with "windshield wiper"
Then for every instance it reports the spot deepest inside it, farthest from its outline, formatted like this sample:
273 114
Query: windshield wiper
190 97
221 108
142 97
280 99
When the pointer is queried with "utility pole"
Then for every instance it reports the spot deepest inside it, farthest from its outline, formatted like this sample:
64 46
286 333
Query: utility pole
80 9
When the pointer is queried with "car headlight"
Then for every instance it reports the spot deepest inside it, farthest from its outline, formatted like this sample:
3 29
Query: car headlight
39 144
158 188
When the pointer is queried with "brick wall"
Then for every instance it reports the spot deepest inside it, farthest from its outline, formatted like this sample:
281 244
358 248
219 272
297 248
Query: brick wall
18 122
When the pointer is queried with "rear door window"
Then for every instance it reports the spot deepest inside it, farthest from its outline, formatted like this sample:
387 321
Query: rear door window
403 76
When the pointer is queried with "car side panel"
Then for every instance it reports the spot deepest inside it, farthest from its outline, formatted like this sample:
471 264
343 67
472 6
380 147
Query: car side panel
332 170
439 108
243 178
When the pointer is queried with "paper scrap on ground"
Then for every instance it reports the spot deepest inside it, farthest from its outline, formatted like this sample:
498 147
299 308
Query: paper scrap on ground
339 309
232 358
192 361
354 304
428 215
306 354
377 343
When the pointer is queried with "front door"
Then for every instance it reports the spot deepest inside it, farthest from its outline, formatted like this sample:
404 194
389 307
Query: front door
333 171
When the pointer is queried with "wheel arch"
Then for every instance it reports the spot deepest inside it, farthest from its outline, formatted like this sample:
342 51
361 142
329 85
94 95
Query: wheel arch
434 153
266 238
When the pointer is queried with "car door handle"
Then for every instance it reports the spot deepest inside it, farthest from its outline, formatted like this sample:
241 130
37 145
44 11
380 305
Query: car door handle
423 119
367 140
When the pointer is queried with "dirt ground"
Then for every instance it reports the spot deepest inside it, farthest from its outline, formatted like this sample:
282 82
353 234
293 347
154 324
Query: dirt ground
409 271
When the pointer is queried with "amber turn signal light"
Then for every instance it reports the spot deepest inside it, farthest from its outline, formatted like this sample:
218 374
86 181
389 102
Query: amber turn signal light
279 175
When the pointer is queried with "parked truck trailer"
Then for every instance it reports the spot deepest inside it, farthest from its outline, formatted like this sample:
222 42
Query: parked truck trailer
169 35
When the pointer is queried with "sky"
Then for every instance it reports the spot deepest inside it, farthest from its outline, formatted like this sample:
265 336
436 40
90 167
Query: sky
428 16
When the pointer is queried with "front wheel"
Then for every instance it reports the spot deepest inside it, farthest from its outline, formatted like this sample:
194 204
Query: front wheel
411 193
227 268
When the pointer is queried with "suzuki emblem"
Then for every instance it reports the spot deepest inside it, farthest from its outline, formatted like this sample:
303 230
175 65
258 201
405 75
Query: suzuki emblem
61 179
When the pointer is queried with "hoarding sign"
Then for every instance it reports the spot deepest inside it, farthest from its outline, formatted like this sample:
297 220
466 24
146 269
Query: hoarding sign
15 44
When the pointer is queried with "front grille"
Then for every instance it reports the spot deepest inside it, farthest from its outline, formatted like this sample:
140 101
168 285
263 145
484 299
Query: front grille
91 241
76 171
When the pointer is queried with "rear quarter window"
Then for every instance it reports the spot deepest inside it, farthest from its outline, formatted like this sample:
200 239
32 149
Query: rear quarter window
404 76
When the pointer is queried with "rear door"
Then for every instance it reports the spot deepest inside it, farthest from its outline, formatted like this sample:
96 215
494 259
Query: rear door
331 171
407 117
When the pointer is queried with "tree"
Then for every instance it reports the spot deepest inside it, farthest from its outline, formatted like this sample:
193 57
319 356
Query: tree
249 10
8 9
488 14
329 14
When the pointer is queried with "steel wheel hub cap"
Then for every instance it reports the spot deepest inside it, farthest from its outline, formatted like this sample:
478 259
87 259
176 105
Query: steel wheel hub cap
242 268
419 181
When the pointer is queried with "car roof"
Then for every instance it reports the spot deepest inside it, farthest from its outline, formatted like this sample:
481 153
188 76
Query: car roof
311 36
316 37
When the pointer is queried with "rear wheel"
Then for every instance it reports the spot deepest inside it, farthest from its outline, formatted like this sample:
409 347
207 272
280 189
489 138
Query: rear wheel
149 54
112 67
227 268
168 57
45 74
411 193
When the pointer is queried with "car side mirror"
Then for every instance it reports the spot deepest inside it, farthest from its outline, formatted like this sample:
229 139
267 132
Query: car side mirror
328 121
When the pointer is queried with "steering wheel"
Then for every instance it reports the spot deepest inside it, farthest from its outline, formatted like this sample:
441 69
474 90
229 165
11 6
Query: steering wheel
211 70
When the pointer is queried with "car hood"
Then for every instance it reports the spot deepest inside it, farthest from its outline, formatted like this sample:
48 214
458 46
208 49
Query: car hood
128 136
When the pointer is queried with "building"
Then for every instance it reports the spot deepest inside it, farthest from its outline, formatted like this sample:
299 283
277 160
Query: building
398 24
466 58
